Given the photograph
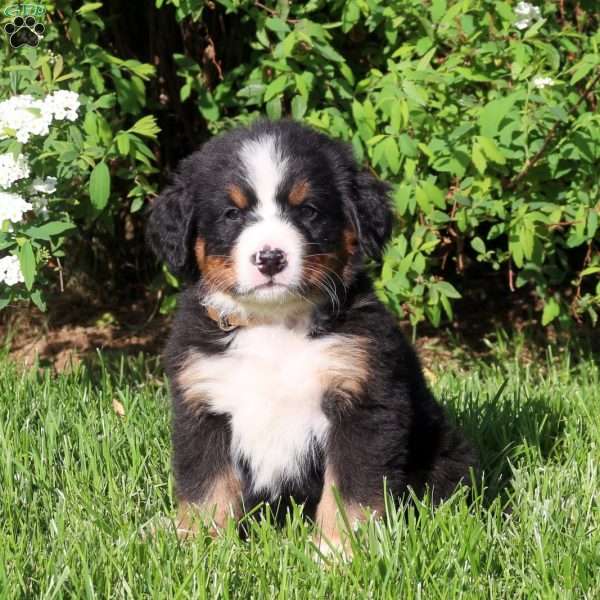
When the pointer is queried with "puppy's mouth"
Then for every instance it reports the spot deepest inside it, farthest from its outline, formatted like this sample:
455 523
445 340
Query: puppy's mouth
271 287
269 284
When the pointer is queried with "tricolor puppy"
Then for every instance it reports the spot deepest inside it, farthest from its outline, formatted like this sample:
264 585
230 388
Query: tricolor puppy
289 377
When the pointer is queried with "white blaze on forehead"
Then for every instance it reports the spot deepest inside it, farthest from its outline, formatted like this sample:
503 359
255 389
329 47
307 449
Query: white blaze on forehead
265 167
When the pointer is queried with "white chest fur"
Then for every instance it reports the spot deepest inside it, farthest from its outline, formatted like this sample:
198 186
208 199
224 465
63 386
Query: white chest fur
271 382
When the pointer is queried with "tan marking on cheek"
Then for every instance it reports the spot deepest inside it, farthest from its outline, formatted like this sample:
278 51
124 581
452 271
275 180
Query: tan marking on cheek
321 269
350 241
200 253
348 249
238 197
222 501
219 273
347 370
299 192
332 265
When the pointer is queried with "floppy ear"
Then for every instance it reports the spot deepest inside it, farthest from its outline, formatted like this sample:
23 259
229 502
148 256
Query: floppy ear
371 214
170 230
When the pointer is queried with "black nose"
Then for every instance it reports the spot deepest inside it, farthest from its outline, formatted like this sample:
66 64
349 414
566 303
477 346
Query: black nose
269 262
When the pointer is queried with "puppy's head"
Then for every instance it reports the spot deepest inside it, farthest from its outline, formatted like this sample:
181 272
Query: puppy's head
269 215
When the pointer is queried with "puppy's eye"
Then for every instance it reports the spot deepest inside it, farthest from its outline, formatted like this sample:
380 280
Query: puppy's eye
233 214
308 212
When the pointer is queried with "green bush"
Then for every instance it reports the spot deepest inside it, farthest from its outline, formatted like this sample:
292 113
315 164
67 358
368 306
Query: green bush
82 144
482 114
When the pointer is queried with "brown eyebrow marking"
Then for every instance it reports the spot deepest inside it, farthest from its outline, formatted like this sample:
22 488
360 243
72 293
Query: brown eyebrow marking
299 192
238 197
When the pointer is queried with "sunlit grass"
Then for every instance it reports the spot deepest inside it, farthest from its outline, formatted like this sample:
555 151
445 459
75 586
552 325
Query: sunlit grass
79 483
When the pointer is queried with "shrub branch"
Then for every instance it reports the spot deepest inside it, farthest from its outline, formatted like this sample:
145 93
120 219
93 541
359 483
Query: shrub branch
550 138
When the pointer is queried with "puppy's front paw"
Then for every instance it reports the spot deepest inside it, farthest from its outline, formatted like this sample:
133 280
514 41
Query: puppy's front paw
332 548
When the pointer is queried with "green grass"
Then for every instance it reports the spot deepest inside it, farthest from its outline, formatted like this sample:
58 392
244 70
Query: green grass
78 483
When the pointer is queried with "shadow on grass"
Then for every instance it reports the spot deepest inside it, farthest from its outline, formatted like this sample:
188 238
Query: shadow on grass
506 429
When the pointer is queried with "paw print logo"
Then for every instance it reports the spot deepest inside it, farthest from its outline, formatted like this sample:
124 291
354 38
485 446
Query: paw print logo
24 32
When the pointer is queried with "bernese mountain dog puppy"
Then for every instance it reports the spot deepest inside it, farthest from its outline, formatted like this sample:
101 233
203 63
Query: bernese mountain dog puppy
289 378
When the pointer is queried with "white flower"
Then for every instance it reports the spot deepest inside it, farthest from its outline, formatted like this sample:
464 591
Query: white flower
542 82
12 207
12 170
527 13
63 104
44 186
22 116
10 271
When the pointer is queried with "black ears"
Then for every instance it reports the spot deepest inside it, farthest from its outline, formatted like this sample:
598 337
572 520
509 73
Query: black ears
170 230
371 214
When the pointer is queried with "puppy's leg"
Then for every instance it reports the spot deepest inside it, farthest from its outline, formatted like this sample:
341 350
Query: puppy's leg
208 487
222 500
332 527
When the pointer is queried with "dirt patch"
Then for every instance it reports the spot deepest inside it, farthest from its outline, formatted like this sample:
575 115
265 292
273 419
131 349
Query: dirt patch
75 330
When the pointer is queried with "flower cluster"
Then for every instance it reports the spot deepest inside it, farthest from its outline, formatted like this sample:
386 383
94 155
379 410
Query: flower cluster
23 116
63 104
540 82
12 169
12 207
527 14
10 271
44 186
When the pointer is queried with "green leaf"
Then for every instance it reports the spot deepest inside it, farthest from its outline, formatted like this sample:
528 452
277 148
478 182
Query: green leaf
438 9
89 7
97 79
274 108
146 126
434 194
123 144
392 155
277 25
551 311
415 92
407 146
298 106
423 200
328 52
478 245
532 31
44 232
27 263
589 271
207 106
38 300
478 159
492 114
99 186
276 87
491 150
136 204
447 289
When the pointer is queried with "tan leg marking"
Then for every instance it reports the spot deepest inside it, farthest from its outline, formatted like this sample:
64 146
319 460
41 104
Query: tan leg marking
224 501
332 533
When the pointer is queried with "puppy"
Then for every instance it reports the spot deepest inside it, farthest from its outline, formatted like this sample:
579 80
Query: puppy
289 378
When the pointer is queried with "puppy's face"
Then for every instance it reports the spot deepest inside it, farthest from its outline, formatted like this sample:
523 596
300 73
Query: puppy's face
277 230
269 215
